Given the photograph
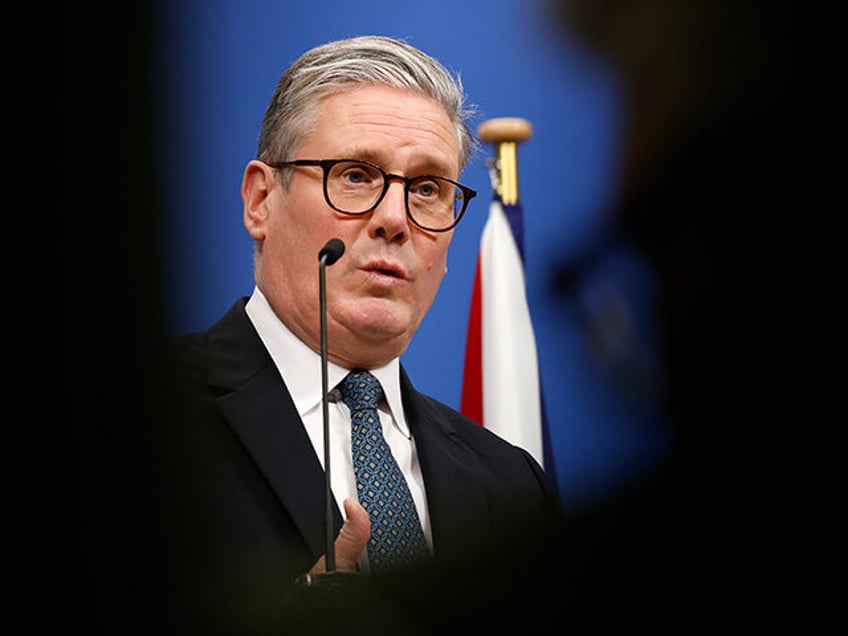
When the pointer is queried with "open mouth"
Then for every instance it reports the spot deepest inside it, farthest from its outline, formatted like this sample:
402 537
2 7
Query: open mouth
385 272
384 269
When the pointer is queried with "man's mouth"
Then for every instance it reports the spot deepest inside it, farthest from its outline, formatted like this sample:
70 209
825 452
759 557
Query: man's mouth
385 268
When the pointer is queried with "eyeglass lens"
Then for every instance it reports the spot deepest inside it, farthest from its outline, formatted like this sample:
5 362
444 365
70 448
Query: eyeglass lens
356 188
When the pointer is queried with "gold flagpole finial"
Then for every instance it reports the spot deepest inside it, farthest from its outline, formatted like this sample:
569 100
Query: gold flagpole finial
505 133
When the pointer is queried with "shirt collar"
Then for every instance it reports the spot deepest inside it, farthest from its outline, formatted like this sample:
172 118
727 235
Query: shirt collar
300 366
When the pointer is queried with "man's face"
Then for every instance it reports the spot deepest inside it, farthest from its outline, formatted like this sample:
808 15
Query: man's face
380 289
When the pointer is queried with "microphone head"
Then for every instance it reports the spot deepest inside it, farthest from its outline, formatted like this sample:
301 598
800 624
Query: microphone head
332 251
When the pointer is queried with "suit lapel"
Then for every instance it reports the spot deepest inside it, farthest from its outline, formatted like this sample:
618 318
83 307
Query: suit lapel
257 406
455 498
261 412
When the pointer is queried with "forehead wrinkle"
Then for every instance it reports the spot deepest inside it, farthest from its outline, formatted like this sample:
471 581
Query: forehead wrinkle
442 158
379 125
423 125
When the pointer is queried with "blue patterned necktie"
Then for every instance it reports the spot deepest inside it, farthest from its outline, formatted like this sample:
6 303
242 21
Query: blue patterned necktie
396 535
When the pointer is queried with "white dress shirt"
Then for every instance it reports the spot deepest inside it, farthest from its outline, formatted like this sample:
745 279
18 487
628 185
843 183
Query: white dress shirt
300 368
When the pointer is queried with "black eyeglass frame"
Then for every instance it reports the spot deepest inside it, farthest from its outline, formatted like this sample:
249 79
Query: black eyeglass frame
327 164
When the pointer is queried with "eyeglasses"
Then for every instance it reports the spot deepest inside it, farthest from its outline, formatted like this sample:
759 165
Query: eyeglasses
435 204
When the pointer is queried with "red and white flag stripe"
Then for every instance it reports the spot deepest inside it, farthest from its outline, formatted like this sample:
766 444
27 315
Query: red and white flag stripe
501 381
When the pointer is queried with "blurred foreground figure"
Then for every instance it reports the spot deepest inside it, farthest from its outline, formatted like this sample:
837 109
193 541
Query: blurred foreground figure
712 158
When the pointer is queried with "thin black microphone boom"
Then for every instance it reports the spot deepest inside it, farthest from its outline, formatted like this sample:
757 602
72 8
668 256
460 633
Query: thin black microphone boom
328 255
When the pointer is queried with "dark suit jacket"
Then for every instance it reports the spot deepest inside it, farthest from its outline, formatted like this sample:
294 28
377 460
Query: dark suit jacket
241 501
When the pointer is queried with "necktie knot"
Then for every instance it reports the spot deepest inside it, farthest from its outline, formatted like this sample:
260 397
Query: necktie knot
361 390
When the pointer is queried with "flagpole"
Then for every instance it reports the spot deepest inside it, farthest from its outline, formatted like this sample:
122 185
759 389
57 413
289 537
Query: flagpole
505 133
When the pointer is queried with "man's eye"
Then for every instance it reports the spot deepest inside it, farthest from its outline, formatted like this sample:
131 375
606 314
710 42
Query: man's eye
355 176
426 189
359 175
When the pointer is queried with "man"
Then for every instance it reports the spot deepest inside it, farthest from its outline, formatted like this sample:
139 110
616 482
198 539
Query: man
364 141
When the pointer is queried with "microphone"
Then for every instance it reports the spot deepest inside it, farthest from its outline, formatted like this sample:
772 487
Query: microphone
328 255
331 252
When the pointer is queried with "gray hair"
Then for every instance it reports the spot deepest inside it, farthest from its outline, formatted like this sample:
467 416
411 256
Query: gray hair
347 64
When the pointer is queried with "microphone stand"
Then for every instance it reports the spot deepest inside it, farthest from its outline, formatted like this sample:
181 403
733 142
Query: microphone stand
332 578
330 551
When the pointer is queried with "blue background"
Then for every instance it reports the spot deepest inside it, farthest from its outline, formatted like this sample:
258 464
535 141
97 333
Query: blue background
217 65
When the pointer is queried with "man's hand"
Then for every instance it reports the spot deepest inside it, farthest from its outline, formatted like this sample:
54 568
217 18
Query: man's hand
351 541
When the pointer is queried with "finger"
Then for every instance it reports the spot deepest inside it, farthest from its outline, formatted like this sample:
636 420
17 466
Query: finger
351 540
353 535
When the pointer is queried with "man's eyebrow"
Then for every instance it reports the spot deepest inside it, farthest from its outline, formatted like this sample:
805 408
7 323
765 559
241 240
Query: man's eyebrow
424 165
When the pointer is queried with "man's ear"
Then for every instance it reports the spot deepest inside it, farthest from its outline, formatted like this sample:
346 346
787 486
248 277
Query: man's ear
256 187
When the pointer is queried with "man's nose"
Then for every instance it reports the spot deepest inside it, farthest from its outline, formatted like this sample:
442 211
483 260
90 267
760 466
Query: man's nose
389 219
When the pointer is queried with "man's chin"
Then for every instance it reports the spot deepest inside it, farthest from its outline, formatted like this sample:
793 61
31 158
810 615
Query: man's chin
369 345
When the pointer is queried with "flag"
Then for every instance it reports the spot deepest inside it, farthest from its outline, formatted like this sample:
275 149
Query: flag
501 387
